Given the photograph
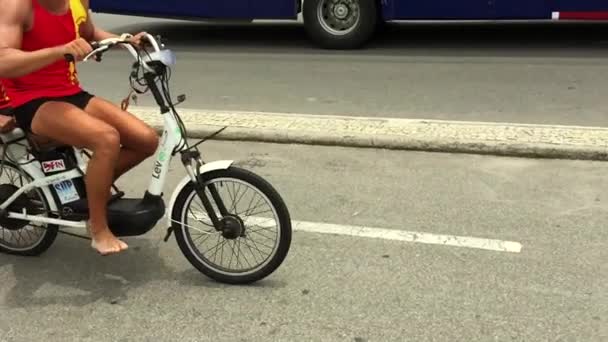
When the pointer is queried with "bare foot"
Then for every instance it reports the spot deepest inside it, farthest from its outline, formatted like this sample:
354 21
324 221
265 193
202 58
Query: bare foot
106 243
123 245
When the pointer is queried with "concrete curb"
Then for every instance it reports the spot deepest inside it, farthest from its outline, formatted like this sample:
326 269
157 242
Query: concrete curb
504 139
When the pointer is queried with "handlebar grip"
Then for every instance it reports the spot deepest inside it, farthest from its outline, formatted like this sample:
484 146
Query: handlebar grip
70 58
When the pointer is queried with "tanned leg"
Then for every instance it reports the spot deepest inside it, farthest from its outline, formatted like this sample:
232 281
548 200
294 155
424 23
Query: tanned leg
69 125
139 141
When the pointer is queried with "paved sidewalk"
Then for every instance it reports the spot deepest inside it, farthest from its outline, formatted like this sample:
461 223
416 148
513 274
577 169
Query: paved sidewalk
524 140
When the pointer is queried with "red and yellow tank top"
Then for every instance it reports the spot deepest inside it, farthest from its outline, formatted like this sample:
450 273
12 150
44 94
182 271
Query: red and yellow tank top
4 99
49 30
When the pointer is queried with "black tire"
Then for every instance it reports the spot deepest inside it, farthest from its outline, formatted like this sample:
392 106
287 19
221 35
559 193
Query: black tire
183 238
50 231
321 33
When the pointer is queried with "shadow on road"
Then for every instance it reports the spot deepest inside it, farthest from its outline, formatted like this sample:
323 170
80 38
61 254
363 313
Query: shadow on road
70 274
458 39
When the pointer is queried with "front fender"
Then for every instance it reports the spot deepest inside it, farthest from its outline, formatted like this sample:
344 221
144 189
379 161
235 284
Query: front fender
208 167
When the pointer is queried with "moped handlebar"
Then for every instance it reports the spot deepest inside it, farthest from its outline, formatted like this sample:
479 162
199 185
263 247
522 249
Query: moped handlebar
100 47
94 46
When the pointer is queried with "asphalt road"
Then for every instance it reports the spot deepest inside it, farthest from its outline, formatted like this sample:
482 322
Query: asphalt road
524 73
346 288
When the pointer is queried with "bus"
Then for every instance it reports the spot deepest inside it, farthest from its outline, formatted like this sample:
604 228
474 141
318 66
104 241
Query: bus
349 24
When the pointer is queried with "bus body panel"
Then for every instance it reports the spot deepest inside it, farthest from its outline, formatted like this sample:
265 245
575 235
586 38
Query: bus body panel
580 5
387 10
493 9
390 9
224 9
273 9
580 10
175 8
522 9
442 9
228 9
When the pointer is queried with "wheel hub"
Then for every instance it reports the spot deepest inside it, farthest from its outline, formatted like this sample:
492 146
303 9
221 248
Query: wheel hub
232 227
338 17
341 11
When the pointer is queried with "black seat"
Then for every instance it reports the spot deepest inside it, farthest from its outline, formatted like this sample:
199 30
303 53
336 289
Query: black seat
42 143
38 143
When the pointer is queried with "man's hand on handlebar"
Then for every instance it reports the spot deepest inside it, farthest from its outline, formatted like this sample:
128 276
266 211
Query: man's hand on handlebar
138 40
78 48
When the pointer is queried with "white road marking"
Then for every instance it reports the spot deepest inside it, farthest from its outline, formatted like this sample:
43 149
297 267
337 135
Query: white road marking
381 233
397 235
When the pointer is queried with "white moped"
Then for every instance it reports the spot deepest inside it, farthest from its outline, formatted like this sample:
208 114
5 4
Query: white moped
45 190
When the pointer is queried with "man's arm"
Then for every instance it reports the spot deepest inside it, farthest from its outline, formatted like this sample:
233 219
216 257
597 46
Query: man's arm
91 32
95 33
13 61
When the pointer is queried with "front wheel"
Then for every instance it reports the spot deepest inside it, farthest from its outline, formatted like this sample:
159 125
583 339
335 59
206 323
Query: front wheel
255 236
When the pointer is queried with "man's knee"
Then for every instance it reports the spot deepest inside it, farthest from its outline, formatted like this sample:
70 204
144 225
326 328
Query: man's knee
106 140
150 142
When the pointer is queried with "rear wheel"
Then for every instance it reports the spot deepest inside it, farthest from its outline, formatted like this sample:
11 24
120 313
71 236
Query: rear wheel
340 24
255 235
17 236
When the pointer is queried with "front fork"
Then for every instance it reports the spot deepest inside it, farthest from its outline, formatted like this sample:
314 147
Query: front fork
193 162
193 157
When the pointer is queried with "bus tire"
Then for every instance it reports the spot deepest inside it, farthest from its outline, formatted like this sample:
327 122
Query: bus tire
347 24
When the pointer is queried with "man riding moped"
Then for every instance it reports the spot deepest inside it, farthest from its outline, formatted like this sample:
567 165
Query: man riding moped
47 99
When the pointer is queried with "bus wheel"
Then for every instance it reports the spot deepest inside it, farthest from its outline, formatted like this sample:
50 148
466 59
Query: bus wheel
340 24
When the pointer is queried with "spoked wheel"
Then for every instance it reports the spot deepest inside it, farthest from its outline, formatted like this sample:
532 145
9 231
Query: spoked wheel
255 234
17 236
